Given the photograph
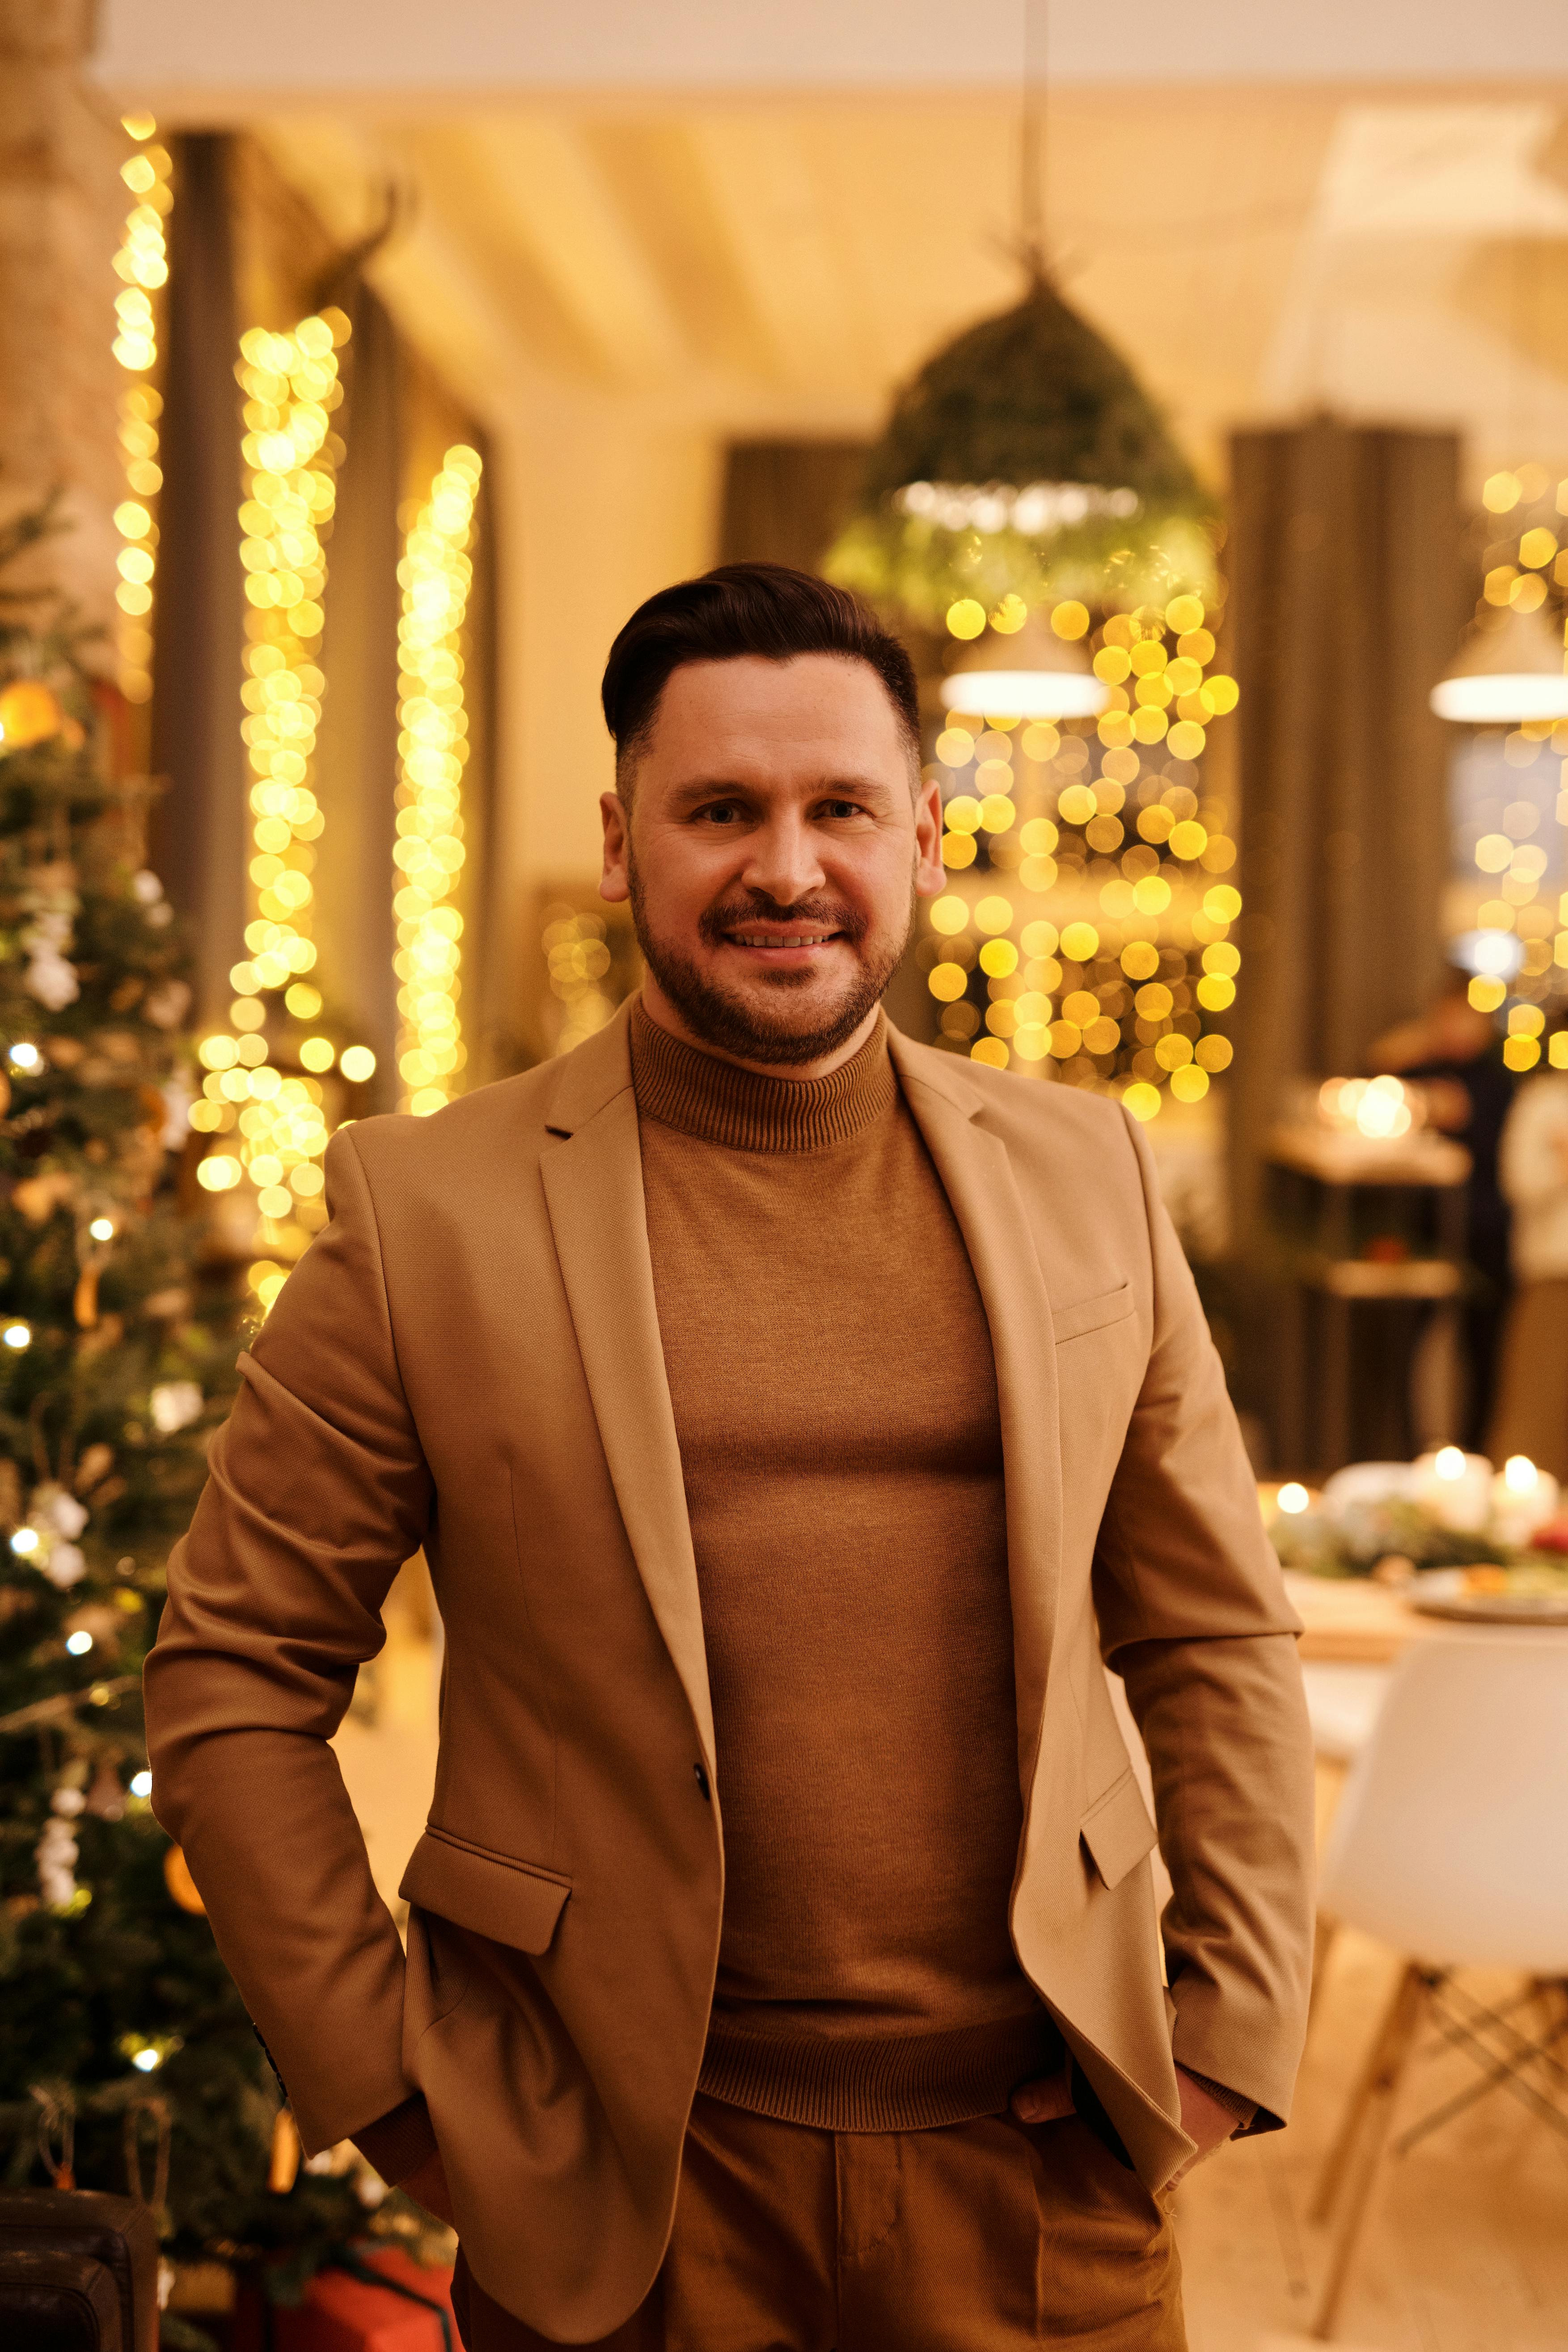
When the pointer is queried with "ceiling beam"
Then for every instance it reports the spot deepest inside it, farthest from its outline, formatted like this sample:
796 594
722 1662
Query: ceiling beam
425 277
565 216
797 268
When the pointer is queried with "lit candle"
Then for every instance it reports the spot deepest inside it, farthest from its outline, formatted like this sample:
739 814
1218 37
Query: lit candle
1290 1500
1455 1488
1523 1498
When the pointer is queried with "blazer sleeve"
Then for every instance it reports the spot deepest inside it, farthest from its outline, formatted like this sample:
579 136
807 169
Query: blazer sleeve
1194 1617
317 1493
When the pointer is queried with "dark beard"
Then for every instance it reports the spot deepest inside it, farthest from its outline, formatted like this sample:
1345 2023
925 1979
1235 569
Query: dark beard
731 1024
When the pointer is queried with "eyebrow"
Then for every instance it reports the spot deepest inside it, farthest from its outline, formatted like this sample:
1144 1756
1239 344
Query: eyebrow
707 788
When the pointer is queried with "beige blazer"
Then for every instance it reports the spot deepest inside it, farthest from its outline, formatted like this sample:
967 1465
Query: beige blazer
468 1360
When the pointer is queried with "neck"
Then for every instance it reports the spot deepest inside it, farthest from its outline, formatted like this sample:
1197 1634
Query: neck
658 1008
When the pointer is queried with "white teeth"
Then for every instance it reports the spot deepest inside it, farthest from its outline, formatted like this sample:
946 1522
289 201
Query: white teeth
803 940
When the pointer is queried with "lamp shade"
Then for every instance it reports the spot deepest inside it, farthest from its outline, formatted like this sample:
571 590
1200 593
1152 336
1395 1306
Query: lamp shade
1035 395
1028 674
1509 671
1025 693
1025 458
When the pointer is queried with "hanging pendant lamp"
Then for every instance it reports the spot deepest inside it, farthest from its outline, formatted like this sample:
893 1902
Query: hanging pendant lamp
1032 673
1025 460
1025 468
1509 671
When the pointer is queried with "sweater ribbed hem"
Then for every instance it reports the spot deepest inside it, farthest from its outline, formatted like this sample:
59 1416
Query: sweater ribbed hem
718 1102
1234 2102
879 2083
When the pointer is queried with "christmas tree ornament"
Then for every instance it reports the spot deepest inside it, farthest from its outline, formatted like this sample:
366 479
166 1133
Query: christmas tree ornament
56 2129
181 1884
146 2112
29 713
175 1404
106 1797
283 2169
57 1852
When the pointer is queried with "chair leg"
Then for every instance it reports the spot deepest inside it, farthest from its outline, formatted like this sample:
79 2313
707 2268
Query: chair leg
1332 2172
1374 2106
1323 1939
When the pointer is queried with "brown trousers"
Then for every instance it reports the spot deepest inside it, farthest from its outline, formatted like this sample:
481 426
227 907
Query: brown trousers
974 2238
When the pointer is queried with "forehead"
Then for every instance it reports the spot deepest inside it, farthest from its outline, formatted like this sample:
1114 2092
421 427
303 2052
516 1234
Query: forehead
815 714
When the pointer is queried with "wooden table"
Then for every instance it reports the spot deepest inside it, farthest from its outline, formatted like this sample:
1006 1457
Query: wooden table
1351 1620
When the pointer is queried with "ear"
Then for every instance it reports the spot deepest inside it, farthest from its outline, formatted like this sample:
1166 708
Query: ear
614 882
930 874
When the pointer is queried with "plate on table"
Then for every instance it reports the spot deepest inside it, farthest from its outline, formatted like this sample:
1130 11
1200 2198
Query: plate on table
1493 1596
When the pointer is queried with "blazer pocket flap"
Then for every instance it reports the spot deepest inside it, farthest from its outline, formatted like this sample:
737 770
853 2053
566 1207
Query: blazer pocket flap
1090 1314
1117 1832
513 1903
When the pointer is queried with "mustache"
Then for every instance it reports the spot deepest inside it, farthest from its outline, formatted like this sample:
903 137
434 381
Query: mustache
755 905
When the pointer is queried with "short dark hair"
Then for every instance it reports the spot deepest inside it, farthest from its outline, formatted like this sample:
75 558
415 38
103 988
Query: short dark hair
738 609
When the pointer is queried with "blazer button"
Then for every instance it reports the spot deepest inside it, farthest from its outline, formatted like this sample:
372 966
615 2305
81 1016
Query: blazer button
701 1772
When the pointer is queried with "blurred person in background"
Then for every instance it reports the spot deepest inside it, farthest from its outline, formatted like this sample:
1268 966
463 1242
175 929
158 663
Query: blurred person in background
1455 1055
1532 1414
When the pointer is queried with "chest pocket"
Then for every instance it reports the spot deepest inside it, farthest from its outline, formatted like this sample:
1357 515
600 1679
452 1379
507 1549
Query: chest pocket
1092 1314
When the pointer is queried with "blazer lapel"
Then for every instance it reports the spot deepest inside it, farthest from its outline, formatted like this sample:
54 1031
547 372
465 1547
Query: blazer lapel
593 1192
978 1179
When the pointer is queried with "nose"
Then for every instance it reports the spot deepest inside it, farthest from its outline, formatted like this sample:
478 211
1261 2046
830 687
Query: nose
784 863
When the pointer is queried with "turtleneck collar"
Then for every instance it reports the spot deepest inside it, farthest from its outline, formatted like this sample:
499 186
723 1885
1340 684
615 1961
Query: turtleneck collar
717 1101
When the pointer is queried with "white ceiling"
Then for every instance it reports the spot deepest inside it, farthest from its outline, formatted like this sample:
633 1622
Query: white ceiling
759 215
497 49
777 265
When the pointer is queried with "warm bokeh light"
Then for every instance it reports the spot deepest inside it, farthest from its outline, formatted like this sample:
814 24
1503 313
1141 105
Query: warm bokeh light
277 1120
435 575
1106 820
142 264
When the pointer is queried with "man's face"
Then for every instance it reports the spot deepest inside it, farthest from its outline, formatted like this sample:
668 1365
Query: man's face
772 852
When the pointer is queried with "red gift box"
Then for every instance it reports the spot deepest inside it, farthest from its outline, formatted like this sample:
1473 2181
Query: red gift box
340 2313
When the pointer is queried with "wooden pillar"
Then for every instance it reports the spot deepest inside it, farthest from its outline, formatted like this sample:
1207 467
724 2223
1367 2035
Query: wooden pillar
1347 597
200 825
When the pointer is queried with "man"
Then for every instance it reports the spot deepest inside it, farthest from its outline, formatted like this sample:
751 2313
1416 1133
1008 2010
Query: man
791 1416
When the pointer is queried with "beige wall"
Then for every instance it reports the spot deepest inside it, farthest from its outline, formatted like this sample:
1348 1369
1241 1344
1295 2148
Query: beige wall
597 506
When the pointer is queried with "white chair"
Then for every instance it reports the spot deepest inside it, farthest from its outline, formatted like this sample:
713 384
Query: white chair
1451 1844
1343 1703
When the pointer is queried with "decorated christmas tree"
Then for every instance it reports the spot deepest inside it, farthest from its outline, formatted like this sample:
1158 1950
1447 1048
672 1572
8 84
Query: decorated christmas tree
127 2060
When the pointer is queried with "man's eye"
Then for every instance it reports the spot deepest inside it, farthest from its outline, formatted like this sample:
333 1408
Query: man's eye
839 809
719 813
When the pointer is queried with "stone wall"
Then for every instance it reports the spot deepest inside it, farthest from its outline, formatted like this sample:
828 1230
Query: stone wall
61 206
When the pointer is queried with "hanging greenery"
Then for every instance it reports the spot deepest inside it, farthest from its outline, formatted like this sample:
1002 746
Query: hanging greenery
1026 459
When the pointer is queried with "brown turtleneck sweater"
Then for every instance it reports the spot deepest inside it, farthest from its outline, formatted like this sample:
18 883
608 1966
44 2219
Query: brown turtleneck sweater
834 1398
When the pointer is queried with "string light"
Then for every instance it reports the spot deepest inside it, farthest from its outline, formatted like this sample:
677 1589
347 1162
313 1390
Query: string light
1514 775
1109 829
435 575
292 385
277 1119
142 264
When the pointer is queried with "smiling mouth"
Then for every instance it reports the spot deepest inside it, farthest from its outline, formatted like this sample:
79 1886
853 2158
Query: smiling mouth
783 939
